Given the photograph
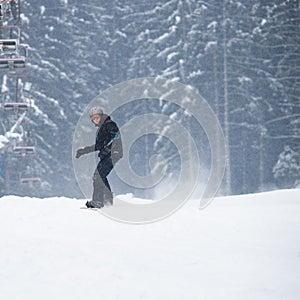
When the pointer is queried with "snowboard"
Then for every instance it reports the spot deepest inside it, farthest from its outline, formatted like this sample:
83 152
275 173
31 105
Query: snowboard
90 208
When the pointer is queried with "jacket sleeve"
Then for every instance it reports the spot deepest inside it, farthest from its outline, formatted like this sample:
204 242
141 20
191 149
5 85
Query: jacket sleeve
114 132
89 149
116 143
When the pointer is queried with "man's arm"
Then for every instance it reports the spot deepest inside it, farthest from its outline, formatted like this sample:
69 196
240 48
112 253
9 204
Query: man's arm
116 143
85 150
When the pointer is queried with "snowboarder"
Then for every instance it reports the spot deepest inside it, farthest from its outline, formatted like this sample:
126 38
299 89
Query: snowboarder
109 145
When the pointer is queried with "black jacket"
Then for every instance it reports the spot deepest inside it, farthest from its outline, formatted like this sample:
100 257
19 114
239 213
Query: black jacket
108 140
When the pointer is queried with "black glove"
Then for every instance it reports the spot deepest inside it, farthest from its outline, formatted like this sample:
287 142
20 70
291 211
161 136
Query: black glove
80 152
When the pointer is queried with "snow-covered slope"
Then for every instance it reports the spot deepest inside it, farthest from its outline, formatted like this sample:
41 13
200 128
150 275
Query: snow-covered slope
241 247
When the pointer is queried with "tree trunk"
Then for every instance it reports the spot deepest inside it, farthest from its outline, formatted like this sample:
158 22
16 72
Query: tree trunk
226 103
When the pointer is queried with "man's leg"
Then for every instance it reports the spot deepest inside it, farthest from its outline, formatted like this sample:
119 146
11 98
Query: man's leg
97 199
104 168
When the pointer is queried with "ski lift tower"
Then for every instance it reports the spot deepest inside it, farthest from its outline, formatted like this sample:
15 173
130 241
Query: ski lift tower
19 152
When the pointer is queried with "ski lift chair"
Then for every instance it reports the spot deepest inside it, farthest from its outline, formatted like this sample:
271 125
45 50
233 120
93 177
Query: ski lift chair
4 64
16 106
18 62
24 151
12 62
32 182
11 34
8 45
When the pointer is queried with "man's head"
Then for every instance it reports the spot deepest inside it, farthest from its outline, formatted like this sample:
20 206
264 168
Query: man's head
95 114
